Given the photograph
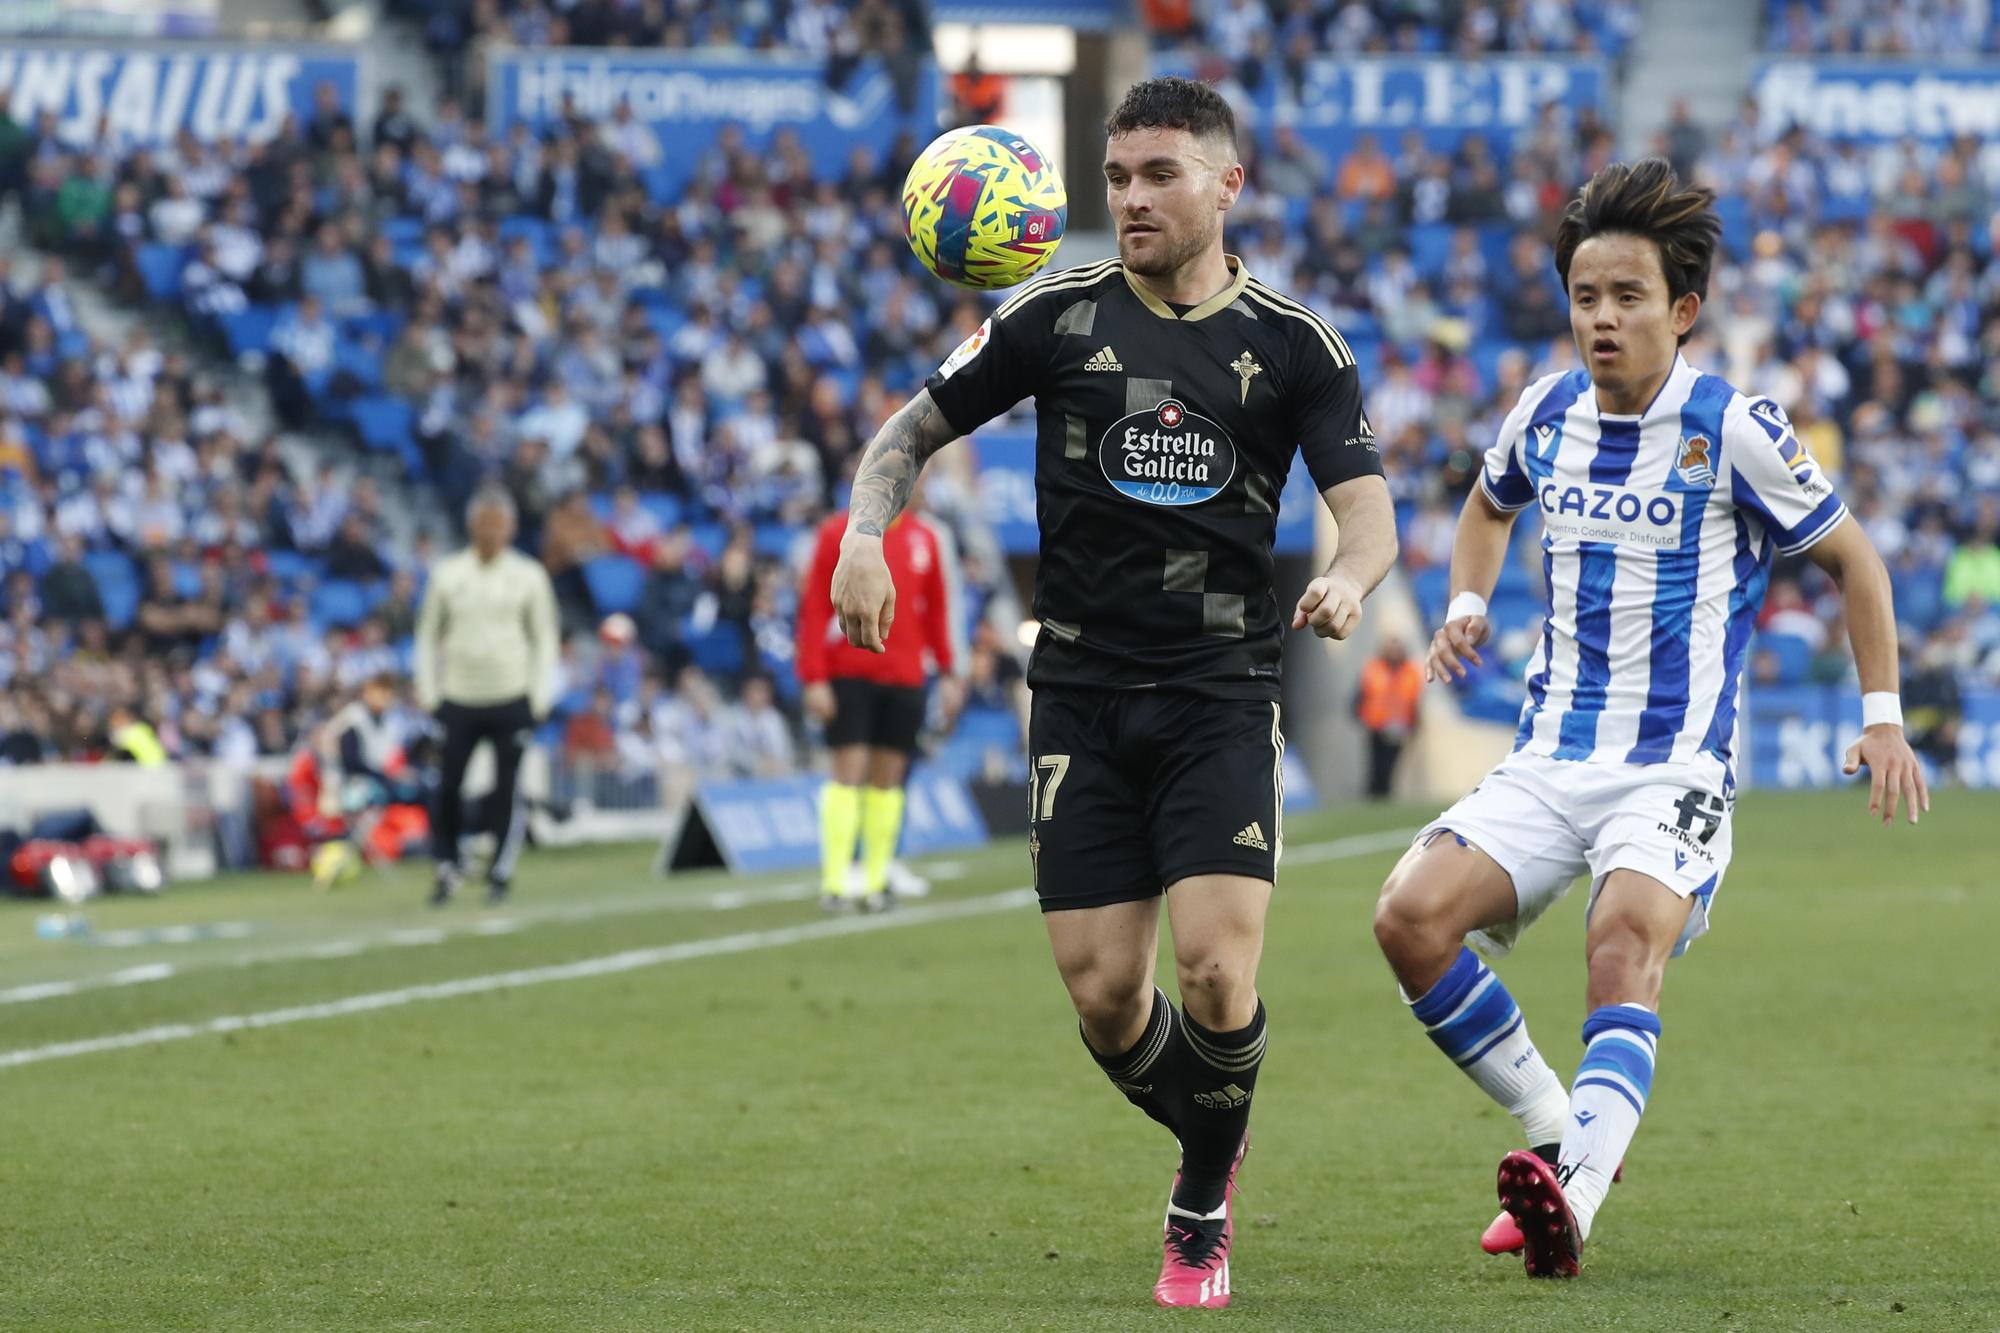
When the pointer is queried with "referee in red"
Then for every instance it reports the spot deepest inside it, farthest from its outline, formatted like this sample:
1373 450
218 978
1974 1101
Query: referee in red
872 704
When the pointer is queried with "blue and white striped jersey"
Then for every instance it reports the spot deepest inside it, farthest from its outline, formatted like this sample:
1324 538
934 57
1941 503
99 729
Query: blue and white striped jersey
1659 535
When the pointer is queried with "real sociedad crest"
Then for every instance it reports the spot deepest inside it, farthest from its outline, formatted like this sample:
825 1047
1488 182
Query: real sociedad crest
1695 467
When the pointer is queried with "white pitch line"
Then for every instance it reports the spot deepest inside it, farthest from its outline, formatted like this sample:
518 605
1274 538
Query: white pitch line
605 965
1359 844
718 900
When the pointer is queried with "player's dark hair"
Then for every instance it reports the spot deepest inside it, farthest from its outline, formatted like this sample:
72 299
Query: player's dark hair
1646 199
1173 103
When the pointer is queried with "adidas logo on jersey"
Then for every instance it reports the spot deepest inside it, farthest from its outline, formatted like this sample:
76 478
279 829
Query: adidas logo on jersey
1104 359
1252 836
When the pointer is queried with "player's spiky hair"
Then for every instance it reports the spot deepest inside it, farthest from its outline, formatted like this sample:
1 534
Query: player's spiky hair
1646 199
1173 103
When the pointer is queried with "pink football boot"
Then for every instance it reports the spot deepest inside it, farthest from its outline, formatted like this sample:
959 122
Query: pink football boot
1504 1235
1194 1270
1551 1245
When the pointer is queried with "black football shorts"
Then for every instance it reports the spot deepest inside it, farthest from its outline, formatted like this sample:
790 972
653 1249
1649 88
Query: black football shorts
1131 791
887 717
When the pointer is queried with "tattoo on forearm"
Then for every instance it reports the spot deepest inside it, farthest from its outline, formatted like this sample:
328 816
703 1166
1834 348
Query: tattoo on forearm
890 464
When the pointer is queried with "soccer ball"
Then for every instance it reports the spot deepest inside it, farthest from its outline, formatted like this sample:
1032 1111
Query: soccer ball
334 862
983 208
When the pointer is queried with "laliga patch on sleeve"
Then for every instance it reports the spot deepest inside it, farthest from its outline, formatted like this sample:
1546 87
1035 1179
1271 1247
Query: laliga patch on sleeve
966 350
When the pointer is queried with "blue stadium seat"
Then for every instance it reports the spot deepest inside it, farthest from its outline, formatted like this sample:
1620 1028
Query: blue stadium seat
534 229
363 363
1430 586
847 381
339 602
1430 246
989 726
403 231
1793 653
383 325
1513 610
615 582
1515 581
667 320
160 269
249 329
774 541
187 578
718 650
1919 597
663 505
1733 211
711 537
290 567
383 422
1485 355
117 585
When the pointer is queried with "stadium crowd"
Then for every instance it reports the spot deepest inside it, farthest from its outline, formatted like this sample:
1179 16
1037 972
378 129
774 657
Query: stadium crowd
1281 34
671 391
1881 27
674 379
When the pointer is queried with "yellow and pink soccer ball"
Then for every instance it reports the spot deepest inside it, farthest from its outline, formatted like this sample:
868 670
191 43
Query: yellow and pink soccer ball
983 207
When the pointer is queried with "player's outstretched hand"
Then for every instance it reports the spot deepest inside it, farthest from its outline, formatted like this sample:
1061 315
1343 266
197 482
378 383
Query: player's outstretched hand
1456 643
864 596
1331 605
1893 772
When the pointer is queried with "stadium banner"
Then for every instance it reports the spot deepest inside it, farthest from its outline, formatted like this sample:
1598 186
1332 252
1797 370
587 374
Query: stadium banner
687 99
147 93
1797 736
1876 101
1084 15
1007 495
763 824
101 19
1338 100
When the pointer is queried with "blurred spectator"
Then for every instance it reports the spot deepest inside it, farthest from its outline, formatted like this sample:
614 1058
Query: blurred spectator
978 98
1387 708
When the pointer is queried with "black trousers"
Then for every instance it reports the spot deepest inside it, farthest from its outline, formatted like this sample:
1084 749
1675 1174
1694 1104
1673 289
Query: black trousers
509 726
1383 751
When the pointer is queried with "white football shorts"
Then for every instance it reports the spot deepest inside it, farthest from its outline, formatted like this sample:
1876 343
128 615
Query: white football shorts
1546 821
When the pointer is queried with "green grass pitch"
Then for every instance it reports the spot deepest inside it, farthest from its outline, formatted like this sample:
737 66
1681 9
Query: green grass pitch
752 1118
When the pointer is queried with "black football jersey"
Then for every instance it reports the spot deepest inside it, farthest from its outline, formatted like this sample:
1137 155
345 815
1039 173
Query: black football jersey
1163 437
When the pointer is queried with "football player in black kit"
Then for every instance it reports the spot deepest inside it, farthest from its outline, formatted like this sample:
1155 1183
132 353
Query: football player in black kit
1171 390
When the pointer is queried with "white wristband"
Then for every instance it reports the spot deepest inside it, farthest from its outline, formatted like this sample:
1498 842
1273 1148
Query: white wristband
1881 706
1465 604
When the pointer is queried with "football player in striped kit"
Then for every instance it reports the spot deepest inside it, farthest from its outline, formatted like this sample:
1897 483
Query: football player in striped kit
1664 493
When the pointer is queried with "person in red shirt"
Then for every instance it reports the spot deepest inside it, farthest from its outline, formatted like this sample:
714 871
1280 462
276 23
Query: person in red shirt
872 704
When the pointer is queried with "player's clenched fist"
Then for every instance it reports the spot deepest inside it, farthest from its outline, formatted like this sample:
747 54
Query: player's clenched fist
1332 606
1456 643
864 596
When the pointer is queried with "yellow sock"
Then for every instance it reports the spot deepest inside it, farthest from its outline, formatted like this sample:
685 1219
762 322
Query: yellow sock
881 826
839 821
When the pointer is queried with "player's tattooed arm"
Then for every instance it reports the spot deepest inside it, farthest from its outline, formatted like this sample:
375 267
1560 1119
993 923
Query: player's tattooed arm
889 466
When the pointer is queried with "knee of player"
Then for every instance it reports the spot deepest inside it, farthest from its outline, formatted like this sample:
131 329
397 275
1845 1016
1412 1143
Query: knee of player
1626 963
1409 922
1107 996
1213 982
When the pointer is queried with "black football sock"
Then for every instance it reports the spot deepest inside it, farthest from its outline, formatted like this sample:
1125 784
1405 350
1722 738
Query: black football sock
1222 1072
1148 1073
